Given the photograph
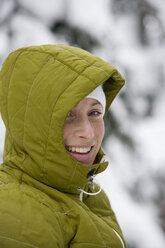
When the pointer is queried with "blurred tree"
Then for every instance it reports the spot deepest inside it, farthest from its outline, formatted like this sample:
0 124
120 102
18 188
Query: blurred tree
113 127
150 30
74 35
149 24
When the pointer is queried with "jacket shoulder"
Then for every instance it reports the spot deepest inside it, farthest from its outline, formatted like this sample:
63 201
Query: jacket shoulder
27 221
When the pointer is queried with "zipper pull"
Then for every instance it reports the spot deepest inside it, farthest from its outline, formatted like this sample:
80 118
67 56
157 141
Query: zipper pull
92 183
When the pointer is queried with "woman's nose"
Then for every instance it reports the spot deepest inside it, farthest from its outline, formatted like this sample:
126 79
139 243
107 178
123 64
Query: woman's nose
84 129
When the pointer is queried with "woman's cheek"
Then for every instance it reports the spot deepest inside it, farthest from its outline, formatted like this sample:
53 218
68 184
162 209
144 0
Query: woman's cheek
99 129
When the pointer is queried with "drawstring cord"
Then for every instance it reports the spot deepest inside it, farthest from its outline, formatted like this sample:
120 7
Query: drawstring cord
88 193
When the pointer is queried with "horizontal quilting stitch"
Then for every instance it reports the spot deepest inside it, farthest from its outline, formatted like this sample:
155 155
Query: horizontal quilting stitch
99 215
43 202
5 184
71 67
81 74
84 60
5 187
59 60
18 241
90 64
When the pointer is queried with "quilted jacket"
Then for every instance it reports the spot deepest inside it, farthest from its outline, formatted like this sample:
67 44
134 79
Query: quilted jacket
40 182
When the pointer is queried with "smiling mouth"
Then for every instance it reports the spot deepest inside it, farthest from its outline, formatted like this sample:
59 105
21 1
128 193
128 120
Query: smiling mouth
79 150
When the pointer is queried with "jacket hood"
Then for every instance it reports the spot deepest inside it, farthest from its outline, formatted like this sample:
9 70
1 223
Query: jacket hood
39 85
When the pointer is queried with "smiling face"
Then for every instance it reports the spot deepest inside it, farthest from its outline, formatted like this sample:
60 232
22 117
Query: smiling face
84 131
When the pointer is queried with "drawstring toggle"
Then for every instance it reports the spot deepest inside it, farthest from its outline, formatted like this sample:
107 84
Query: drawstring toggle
91 183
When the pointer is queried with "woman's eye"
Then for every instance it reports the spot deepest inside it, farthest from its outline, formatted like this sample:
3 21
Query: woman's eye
95 113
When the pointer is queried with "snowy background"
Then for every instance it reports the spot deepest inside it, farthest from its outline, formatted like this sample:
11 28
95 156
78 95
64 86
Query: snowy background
130 34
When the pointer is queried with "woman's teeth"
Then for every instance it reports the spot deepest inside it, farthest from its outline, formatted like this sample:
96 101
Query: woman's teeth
79 149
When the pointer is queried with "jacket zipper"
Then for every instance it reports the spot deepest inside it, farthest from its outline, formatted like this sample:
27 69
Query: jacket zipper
123 246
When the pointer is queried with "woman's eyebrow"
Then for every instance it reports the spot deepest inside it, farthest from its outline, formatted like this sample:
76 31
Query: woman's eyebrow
95 103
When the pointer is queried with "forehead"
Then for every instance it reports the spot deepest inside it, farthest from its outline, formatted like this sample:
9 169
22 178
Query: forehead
87 103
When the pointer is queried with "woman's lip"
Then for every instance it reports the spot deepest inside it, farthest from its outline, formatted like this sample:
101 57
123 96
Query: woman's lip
79 146
82 157
79 149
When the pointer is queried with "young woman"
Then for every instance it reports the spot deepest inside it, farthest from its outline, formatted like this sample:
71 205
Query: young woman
53 99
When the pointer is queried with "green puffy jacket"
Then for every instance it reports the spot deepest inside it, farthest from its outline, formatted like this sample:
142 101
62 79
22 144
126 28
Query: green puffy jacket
40 182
